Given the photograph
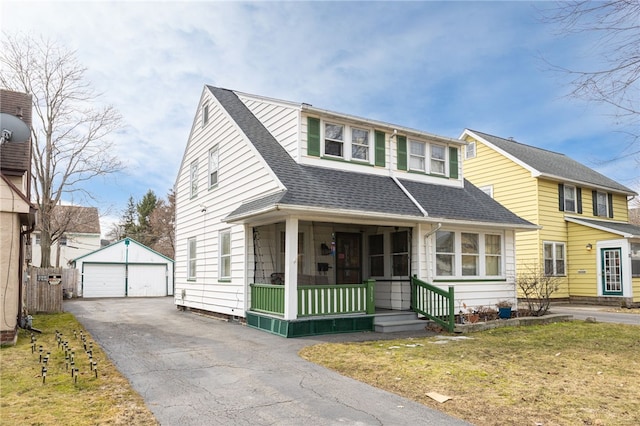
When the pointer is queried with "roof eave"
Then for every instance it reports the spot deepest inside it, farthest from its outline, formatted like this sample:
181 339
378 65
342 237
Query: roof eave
589 184
382 124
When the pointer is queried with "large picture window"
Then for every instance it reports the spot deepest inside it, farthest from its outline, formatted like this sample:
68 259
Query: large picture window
445 253
554 263
468 254
191 258
224 250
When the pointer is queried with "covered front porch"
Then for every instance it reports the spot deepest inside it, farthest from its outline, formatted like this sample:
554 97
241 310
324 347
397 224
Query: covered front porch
329 309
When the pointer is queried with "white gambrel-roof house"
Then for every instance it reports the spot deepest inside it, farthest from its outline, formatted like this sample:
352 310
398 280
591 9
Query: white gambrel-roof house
307 221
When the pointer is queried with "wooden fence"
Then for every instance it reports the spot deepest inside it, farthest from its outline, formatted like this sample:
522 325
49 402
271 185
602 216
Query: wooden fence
43 293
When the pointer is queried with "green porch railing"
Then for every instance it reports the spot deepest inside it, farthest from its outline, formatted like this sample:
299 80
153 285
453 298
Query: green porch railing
267 298
316 300
434 303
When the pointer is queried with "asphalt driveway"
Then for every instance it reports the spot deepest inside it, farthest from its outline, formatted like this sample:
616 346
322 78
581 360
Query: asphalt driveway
195 370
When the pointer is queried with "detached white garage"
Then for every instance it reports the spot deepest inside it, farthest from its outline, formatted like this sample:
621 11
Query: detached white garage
125 269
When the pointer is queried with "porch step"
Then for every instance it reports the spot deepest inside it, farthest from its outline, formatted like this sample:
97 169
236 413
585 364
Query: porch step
390 322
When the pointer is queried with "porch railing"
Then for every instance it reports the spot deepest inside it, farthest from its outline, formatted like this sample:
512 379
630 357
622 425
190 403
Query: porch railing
434 303
316 300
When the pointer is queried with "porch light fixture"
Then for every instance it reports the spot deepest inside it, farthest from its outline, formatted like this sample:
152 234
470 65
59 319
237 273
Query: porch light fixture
589 246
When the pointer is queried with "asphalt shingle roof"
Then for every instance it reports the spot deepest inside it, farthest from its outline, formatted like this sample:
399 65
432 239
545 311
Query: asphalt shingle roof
621 227
553 163
319 187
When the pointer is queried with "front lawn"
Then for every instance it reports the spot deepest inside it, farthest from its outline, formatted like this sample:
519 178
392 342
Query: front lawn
28 398
569 373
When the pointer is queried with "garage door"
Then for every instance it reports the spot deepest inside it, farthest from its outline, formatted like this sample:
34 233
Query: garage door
147 280
100 280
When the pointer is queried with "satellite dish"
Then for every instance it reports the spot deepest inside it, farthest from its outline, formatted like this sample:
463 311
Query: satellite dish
13 129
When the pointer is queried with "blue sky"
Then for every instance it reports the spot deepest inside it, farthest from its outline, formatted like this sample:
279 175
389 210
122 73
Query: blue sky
440 67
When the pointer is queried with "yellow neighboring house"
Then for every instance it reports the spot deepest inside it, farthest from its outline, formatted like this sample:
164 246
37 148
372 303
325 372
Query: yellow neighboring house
585 237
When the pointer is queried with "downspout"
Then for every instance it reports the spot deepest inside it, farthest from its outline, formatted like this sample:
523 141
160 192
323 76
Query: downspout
426 243
23 234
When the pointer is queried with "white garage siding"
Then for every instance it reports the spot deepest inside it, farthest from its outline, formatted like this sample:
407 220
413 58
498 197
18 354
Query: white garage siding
103 280
147 280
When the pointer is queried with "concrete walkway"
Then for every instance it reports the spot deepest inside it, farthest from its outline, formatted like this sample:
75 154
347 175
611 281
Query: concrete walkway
600 313
195 370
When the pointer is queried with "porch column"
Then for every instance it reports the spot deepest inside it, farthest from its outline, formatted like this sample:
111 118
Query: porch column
291 269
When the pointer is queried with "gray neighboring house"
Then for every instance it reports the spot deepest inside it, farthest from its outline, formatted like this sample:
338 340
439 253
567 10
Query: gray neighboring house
303 221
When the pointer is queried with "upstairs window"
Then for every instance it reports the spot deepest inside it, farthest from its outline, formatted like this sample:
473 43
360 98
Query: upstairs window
438 156
213 166
417 154
359 144
470 151
601 204
334 140
194 179
205 114
569 198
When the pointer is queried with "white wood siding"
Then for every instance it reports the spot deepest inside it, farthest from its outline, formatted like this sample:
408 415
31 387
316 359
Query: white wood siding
280 120
242 175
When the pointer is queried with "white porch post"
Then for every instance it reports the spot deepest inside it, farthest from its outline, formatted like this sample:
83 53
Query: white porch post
291 269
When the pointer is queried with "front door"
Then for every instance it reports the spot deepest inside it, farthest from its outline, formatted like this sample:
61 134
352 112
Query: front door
348 258
611 271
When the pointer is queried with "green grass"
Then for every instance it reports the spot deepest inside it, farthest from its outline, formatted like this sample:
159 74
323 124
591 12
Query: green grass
571 373
61 399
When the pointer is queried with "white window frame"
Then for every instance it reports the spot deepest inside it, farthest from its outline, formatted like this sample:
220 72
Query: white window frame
435 160
224 254
192 256
420 157
470 150
605 197
554 260
574 199
205 114
193 179
355 144
214 166
487 189
333 140
481 255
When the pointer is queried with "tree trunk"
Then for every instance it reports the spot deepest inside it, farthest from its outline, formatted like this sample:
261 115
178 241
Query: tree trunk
45 249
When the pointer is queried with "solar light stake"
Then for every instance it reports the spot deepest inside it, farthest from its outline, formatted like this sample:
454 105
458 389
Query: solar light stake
95 368
44 374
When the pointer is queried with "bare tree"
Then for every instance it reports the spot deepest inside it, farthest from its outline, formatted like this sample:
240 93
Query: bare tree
69 133
617 22
162 221
615 80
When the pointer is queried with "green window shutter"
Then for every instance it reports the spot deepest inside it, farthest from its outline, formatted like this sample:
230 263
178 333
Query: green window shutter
402 152
579 199
313 136
561 197
453 162
380 149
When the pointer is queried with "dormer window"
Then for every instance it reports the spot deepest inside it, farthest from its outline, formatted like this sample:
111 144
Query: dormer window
334 139
417 152
438 155
359 144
